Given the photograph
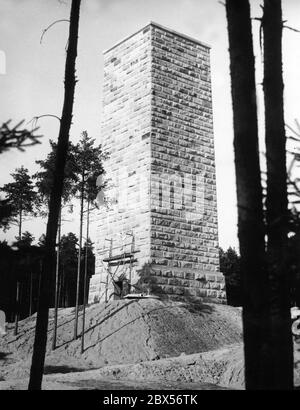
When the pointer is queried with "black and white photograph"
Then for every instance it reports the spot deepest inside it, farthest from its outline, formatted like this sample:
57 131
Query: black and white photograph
150 198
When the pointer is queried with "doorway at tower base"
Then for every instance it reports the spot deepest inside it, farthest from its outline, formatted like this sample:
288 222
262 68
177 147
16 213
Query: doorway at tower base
203 286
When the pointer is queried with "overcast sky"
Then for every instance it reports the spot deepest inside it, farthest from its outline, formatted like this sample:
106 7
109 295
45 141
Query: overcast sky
32 83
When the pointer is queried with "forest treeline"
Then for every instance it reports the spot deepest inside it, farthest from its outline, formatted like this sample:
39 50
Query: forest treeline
21 267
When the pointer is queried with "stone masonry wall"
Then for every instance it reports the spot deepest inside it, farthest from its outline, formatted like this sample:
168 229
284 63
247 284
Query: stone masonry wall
126 124
158 128
184 230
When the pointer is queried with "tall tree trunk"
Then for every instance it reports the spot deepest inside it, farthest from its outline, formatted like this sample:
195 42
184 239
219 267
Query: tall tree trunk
56 296
85 275
17 309
281 345
30 293
63 288
40 341
79 260
60 290
249 192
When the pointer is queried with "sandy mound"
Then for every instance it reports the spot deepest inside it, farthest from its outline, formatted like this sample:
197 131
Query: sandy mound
123 332
201 371
131 344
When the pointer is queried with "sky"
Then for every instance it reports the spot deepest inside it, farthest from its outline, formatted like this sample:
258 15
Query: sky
31 77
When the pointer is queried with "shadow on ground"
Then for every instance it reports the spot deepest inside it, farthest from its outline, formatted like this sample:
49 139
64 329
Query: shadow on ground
52 369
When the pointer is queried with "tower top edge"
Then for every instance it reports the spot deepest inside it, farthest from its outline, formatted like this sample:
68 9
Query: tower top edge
164 28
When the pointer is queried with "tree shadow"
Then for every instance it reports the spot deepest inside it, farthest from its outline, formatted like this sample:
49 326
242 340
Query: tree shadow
52 369
195 307
3 356
100 322
148 282
198 307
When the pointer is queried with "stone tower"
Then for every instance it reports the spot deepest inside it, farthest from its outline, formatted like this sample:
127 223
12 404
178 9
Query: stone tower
157 127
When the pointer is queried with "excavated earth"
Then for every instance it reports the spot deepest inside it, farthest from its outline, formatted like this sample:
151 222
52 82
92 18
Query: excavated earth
134 344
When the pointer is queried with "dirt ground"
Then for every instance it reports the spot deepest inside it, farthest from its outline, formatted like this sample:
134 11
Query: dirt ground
135 344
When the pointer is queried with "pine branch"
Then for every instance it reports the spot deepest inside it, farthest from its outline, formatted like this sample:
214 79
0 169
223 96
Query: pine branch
16 137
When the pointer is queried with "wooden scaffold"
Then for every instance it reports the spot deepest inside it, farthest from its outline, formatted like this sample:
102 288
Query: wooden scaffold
119 269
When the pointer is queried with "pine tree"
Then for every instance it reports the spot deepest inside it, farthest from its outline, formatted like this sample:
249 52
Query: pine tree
88 159
67 268
25 241
263 241
44 182
230 266
21 197
280 345
40 341
44 177
251 229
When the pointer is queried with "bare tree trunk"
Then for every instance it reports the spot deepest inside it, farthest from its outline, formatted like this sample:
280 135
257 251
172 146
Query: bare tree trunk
280 343
249 192
17 309
61 288
40 341
85 275
63 291
60 304
56 299
30 294
79 260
